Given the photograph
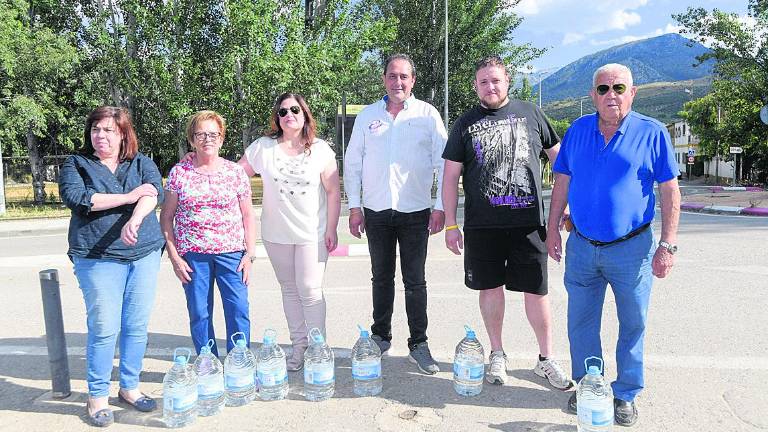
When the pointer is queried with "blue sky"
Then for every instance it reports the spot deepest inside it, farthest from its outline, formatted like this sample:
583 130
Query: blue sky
571 29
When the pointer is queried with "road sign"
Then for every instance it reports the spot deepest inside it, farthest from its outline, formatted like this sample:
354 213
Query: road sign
690 160
764 114
691 152
737 150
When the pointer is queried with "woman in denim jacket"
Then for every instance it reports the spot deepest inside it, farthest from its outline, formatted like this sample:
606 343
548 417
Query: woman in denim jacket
115 244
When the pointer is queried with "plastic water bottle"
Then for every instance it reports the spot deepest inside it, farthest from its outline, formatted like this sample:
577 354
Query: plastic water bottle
210 382
272 371
594 400
239 369
366 365
319 378
468 365
180 392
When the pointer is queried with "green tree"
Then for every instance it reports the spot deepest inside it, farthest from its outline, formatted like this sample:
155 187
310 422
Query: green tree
476 28
740 49
36 71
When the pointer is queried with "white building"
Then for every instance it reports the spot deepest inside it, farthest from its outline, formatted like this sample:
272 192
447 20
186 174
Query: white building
686 144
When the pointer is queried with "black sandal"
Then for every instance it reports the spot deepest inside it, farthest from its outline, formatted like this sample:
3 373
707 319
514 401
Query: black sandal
143 404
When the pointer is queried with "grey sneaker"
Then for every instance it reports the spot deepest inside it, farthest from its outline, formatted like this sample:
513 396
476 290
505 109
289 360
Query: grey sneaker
554 373
383 344
497 368
423 358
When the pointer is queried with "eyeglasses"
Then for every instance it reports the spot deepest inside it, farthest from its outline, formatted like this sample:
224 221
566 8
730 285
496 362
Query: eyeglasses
202 136
282 112
602 89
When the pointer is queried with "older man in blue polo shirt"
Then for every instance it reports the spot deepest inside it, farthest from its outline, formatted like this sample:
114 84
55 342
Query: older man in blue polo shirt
605 172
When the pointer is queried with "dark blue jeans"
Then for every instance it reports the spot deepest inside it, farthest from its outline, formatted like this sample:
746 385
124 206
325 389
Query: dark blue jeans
385 230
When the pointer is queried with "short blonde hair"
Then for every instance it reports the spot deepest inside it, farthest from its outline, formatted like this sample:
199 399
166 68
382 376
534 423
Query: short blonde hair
202 116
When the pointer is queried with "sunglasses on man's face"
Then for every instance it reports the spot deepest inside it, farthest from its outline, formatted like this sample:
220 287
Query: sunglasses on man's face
602 89
282 112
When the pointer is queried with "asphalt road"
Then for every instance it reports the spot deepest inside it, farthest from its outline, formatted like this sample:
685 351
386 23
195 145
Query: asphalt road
706 349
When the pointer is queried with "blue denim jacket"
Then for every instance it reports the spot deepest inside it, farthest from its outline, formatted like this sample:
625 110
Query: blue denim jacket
96 234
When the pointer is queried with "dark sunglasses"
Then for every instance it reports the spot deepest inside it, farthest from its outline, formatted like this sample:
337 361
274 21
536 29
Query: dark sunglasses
602 89
282 112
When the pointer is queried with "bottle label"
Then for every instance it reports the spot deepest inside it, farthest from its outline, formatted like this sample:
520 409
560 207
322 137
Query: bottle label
366 370
468 372
210 387
238 382
595 417
319 374
274 377
180 403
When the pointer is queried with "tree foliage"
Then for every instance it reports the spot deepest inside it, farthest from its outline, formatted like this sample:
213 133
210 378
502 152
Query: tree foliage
740 49
476 28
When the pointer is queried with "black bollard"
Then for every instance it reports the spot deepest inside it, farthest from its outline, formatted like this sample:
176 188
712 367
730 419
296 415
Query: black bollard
54 333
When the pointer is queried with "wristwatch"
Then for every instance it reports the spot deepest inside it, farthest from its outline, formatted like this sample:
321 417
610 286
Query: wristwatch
669 247
252 258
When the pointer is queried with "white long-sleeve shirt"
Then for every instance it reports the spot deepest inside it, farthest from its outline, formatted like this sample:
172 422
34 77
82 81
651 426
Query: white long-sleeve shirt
391 163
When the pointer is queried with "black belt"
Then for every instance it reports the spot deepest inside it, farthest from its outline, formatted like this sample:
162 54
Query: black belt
618 240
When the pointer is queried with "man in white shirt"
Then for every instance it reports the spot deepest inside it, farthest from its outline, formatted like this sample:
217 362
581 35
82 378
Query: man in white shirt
389 167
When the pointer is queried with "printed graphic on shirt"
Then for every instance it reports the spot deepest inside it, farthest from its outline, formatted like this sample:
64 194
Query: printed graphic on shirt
502 149
291 175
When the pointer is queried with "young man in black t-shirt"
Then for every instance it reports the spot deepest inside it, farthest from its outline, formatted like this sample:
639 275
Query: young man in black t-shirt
497 146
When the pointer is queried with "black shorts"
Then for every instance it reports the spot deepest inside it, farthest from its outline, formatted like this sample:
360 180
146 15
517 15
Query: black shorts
513 257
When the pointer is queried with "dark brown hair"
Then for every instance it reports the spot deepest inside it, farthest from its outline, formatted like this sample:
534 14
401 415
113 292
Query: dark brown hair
400 56
129 145
308 133
492 60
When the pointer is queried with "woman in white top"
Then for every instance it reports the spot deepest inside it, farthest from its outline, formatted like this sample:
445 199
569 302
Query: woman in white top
301 202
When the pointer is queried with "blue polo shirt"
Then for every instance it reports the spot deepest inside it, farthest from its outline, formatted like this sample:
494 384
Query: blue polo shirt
611 187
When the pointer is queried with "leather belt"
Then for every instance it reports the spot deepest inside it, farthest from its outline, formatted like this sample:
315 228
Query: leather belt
618 240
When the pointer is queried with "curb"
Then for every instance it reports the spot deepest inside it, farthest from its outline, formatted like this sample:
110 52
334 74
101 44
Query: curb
715 209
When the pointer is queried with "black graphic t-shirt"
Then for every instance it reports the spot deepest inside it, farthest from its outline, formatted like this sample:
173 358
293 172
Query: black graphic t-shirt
500 151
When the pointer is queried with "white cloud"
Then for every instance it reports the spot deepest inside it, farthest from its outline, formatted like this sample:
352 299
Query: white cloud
528 7
669 28
621 19
572 38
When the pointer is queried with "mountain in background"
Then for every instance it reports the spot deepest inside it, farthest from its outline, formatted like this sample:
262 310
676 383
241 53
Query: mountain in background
665 58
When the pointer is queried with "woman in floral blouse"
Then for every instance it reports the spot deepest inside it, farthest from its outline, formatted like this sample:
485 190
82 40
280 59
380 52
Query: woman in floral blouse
207 222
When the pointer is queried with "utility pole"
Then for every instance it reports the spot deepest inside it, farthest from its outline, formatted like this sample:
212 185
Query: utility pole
540 90
2 183
445 120
717 151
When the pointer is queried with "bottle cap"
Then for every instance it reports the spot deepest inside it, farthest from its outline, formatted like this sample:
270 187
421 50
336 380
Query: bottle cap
593 370
181 360
240 343
363 332
470 332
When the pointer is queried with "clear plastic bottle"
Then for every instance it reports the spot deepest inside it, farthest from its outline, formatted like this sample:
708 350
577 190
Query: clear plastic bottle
180 392
210 382
272 371
594 400
468 365
366 366
319 377
239 371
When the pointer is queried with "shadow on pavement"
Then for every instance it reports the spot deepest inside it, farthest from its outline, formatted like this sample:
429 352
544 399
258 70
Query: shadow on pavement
531 426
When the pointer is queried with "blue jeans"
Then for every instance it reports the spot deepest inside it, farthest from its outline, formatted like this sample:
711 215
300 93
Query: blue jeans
221 268
118 299
626 266
385 229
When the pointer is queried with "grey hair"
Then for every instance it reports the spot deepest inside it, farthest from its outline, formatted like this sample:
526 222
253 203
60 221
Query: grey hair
612 67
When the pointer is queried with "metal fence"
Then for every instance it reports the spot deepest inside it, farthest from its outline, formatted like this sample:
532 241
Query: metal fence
17 178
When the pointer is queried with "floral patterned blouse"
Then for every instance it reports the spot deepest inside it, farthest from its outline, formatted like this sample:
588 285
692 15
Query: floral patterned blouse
208 218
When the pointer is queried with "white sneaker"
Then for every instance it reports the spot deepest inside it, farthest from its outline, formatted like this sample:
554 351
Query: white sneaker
554 373
497 368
